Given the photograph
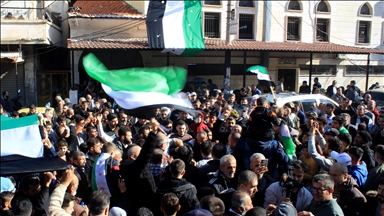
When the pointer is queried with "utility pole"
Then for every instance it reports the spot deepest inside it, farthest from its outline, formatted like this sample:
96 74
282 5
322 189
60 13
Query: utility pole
227 77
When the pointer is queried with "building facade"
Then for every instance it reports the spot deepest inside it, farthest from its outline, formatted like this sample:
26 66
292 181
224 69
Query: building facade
346 24
34 57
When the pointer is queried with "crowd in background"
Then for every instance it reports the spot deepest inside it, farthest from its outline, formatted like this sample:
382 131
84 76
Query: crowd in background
227 160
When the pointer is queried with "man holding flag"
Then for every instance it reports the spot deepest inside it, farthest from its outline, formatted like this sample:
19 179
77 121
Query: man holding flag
263 77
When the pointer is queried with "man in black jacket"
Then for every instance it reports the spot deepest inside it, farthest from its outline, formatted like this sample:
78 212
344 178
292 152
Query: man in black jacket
37 193
137 175
185 191
218 151
94 151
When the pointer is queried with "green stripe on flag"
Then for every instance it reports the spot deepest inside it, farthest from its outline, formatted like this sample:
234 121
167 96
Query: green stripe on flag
289 146
12 123
192 26
166 80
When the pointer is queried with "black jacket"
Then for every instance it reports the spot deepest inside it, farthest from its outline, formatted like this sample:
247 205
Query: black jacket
140 183
364 119
223 189
352 201
211 167
90 160
83 182
187 194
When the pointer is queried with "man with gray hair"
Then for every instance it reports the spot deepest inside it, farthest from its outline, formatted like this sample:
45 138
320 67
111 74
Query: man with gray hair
351 200
323 202
264 179
247 181
240 203
223 181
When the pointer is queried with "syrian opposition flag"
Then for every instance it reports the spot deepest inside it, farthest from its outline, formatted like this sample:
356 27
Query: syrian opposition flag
260 71
141 90
287 141
175 26
21 136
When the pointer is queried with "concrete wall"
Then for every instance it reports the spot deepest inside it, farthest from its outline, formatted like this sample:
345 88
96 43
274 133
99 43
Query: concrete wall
81 27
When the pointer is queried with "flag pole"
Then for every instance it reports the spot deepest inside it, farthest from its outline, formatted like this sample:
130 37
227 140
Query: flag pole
273 93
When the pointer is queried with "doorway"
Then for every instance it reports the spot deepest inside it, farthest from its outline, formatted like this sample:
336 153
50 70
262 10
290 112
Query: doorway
289 76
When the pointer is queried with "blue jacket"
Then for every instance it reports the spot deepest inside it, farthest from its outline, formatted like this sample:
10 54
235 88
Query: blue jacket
272 150
359 173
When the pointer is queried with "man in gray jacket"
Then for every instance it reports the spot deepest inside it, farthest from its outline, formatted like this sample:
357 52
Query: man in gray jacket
299 196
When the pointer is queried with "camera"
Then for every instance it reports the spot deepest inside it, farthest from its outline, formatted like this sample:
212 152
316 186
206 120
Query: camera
290 183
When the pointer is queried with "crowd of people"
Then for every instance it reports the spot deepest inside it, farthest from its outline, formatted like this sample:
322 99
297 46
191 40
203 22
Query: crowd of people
227 160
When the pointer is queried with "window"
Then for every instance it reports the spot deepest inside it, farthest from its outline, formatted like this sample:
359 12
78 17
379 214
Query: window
246 26
322 30
364 31
362 70
293 32
294 5
306 104
246 3
318 70
212 25
322 7
365 10
212 2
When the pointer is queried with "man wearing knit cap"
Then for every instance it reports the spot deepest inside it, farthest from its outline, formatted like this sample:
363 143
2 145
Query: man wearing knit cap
375 174
363 140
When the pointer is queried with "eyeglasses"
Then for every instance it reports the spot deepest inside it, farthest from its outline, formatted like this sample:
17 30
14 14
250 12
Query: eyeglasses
319 190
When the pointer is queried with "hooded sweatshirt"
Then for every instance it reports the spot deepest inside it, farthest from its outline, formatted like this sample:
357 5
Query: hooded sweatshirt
359 173
196 127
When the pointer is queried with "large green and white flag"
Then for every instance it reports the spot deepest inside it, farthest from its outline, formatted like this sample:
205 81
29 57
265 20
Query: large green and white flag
21 136
141 90
287 141
260 71
175 26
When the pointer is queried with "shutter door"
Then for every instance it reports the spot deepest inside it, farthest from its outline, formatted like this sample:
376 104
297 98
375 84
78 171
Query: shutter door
8 82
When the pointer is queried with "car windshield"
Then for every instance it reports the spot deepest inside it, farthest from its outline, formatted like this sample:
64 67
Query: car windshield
306 104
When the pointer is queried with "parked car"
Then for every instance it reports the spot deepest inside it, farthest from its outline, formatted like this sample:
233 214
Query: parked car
305 100
378 96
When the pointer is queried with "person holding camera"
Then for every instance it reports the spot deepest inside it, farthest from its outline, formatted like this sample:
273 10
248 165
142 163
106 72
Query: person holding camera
291 189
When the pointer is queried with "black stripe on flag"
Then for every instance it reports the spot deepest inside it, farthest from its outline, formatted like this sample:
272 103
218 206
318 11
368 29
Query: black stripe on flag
155 14
148 112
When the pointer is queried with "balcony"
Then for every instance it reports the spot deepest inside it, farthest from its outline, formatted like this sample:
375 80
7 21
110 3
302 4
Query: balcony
15 31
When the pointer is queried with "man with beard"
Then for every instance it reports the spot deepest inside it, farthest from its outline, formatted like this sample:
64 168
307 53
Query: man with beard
164 114
375 174
79 161
94 151
223 180
32 189
361 140
352 129
351 200
375 201
123 140
299 196
124 119
264 179
361 117
329 109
